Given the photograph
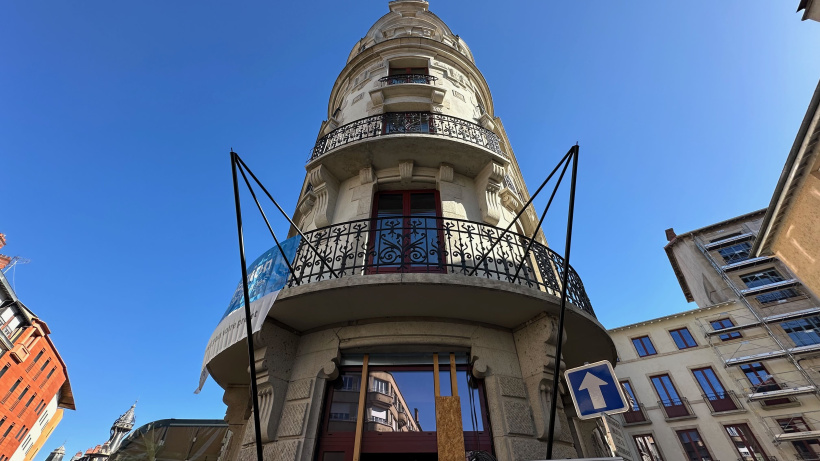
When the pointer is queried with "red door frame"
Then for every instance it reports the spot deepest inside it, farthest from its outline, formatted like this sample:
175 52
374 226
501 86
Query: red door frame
721 400
372 266
404 442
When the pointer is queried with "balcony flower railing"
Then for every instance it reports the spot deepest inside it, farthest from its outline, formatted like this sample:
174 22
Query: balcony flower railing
407 78
392 123
402 244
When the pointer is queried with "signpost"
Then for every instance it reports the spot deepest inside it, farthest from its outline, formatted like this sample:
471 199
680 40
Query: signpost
595 390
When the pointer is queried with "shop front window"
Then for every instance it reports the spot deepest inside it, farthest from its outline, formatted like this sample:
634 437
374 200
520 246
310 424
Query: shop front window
399 407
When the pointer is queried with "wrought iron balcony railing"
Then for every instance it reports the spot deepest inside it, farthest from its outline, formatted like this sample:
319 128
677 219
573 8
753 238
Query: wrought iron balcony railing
676 408
402 244
407 78
392 123
720 402
636 416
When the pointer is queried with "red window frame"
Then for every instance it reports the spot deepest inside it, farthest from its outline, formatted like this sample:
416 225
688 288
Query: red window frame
373 266
398 442
719 399
673 405
683 338
701 452
807 449
643 344
748 439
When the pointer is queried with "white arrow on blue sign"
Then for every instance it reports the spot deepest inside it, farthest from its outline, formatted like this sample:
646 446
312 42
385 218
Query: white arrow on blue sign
595 390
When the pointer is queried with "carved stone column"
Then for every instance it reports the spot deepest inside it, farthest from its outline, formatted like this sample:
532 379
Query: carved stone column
237 413
536 343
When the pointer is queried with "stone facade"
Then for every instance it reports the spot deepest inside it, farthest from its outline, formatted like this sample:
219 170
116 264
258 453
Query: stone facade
411 114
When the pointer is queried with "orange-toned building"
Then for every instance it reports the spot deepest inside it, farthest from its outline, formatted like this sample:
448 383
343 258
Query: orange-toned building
34 386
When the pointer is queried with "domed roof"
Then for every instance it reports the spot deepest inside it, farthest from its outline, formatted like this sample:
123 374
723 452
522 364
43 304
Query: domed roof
410 18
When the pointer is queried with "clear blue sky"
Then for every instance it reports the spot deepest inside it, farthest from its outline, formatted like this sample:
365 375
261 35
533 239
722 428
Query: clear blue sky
116 119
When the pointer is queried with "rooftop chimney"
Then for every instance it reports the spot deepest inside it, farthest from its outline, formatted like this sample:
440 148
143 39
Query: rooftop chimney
670 234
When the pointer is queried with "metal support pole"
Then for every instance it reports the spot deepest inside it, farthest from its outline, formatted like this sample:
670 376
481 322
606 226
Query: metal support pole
304 239
251 359
270 229
523 209
564 280
540 222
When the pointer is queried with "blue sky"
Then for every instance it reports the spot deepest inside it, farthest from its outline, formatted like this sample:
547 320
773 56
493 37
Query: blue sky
116 119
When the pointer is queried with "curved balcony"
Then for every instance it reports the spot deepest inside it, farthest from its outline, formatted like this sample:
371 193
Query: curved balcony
420 267
425 137
407 78
413 244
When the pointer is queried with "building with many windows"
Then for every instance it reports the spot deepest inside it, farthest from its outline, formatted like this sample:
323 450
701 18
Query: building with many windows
410 183
736 377
34 386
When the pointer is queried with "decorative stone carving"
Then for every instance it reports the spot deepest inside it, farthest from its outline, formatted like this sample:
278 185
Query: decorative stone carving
488 184
487 122
238 411
406 171
512 387
283 450
293 419
367 175
445 173
273 361
326 190
298 390
518 418
307 202
437 96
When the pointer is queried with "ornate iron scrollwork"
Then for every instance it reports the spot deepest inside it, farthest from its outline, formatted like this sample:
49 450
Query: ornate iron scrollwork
429 244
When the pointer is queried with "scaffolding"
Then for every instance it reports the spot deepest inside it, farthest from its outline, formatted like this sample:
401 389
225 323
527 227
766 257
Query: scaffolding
746 333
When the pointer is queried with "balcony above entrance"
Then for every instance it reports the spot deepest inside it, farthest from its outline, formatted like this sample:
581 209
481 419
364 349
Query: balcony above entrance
422 267
426 138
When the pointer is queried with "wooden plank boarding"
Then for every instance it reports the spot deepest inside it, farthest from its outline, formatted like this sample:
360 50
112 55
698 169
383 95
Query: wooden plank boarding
357 444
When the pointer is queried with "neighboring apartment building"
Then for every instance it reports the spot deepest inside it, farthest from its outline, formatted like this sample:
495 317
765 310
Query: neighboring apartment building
34 386
791 228
410 182
737 374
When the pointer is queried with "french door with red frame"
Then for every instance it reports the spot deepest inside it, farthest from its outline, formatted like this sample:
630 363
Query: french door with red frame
669 397
399 414
406 233
713 390
745 443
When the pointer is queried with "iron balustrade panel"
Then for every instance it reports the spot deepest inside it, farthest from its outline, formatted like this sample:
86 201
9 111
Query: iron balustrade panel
429 244
403 123
407 78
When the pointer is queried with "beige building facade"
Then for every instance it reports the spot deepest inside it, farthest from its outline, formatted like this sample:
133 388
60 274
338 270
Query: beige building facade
735 378
409 188
790 228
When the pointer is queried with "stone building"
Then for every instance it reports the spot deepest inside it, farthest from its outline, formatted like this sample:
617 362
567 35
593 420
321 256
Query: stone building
410 182
789 228
737 377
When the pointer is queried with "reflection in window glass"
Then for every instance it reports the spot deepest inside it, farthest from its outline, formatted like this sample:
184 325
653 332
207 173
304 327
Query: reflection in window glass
345 403
647 449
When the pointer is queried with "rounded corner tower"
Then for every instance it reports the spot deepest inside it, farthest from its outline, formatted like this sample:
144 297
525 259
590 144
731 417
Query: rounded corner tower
409 185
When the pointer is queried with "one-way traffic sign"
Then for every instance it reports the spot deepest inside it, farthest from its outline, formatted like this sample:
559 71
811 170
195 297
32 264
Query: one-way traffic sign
595 390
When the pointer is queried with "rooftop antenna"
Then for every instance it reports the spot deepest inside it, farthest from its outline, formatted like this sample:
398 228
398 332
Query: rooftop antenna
14 261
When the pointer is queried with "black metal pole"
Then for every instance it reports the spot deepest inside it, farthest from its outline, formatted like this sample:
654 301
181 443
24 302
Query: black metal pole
304 239
540 222
523 209
249 329
267 223
564 280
